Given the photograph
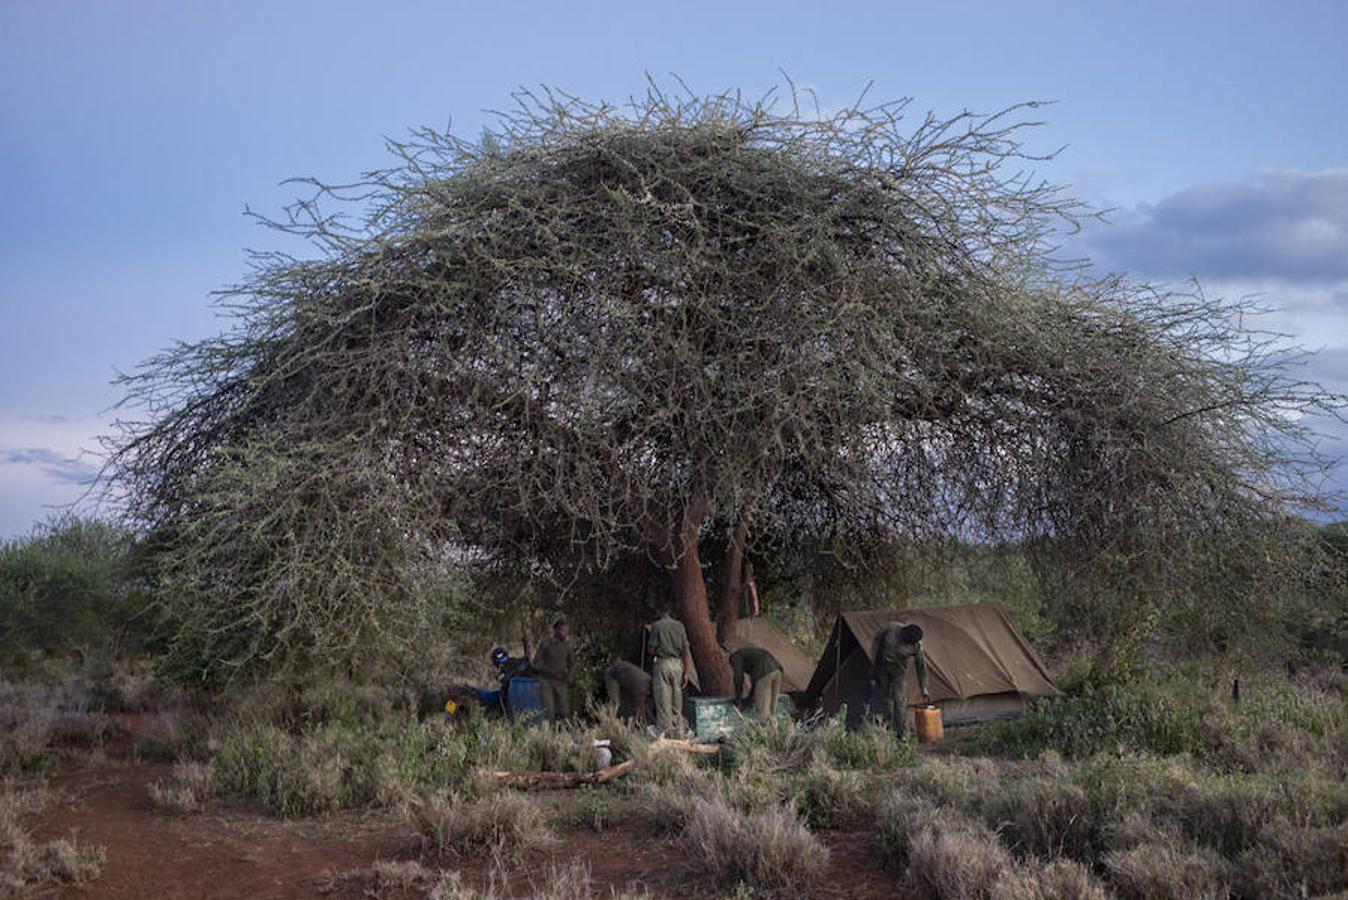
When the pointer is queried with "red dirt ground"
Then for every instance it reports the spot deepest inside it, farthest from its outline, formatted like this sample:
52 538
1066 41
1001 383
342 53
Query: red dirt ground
231 852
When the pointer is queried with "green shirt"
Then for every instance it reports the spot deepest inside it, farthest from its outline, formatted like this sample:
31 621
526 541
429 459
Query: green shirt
752 661
554 659
890 655
668 639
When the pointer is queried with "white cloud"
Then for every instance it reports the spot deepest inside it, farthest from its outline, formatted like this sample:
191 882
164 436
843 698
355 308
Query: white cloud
46 463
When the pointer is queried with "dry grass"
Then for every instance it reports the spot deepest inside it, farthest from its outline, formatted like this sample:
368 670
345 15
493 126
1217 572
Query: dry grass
1292 861
953 858
383 877
571 881
828 798
507 823
767 850
1168 872
1066 879
187 790
30 865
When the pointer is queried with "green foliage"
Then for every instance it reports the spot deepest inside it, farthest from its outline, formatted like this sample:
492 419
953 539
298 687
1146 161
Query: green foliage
1152 826
72 586
335 766
1182 710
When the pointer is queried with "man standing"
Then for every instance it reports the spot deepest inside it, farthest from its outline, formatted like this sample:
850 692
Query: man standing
891 650
629 692
554 663
669 649
766 672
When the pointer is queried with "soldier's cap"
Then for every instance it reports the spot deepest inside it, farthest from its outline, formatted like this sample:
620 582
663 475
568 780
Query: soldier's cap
910 634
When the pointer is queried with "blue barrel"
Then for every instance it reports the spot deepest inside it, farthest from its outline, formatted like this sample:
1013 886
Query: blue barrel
526 704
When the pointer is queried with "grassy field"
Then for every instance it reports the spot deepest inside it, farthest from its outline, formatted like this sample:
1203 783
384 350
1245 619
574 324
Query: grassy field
1155 785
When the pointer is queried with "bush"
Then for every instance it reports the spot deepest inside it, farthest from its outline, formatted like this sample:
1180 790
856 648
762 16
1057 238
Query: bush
506 823
1277 726
778 745
190 786
770 849
954 858
31 865
871 747
72 586
827 798
55 862
1168 872
1291 861
336 766
899 817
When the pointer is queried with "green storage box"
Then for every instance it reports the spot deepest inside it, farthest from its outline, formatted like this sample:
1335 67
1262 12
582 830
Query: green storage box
715 717
711 717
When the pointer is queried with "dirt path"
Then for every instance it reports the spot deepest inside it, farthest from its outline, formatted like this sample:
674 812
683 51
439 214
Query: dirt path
221 854
234 852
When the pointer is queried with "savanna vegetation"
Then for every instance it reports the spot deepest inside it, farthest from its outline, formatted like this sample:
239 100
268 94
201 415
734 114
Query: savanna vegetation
610 355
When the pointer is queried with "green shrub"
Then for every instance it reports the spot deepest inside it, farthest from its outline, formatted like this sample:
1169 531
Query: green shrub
871 747
72 586
1278 725
336 766
828 798
899 817
778 745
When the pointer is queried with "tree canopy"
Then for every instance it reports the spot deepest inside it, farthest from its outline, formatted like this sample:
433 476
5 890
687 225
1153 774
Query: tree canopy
603 332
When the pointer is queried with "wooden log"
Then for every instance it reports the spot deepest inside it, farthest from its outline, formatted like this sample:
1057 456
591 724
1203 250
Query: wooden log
690 746
527 780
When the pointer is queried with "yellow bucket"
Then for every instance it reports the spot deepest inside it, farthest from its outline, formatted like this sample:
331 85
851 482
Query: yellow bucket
930 727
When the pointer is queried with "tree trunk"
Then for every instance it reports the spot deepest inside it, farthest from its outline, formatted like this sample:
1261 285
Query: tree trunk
690 597
732 583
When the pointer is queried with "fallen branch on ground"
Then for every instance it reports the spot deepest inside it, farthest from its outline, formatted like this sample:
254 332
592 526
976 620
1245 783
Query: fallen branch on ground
562 779
690 746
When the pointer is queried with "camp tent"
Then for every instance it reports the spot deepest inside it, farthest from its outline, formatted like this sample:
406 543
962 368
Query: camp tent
797 669
979 666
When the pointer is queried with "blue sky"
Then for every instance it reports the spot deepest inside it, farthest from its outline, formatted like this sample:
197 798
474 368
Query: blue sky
133 134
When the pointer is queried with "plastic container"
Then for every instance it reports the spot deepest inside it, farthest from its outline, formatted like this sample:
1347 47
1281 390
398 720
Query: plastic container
930 727
526 703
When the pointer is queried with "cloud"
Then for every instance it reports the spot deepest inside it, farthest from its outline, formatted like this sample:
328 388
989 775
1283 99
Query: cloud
56 466
45 465
1287 226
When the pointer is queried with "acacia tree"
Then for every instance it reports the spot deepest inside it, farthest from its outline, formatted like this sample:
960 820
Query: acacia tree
612 330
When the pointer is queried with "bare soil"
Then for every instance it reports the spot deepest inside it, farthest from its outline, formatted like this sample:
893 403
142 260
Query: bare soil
233 851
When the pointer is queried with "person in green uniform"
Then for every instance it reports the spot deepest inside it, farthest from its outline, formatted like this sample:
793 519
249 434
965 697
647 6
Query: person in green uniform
891 650
554 662
669 649
765 671
629 692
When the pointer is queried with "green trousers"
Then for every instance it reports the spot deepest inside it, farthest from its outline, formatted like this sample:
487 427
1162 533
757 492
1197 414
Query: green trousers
556 699
889 699
668 690
766 690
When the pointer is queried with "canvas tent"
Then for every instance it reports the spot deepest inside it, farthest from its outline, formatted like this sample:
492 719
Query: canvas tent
979 666
797 669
